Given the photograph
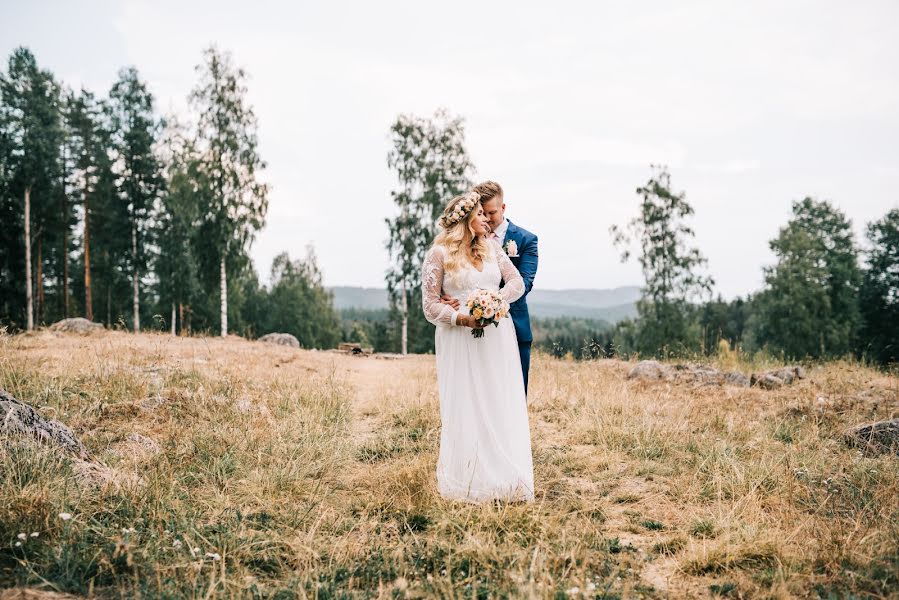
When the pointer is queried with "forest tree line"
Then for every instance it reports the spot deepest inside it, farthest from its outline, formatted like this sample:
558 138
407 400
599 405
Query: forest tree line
825 297
113 213
116 214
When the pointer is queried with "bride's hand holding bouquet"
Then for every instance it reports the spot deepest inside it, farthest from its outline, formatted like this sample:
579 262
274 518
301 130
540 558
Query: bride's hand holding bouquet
486 308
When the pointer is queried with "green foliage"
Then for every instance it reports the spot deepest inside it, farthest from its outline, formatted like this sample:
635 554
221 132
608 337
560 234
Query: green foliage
175 263
92 186
12 256
431 166
299 304
810 304
720 320
115 208
669 266
235 202
370 328
580 338
880 291
31 121
138 172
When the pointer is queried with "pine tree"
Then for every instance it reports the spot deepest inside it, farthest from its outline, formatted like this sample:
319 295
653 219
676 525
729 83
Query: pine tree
175 264
670 267
29 101
431 166
880 291
92 186
66 213
11 260
135 127
235 202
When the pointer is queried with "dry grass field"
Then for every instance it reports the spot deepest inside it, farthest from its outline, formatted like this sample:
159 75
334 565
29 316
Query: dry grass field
240 469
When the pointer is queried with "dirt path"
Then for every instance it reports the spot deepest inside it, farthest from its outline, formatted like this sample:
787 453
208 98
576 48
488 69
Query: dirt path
375 381
630 501
379 386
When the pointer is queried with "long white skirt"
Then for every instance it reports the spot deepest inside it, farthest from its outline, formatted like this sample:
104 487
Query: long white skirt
485 441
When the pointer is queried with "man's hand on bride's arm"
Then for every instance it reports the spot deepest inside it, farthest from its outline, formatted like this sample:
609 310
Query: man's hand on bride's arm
447 299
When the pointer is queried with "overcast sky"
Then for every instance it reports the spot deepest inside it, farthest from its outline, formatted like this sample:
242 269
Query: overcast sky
752 105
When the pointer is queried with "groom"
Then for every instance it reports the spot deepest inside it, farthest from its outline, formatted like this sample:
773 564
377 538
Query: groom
521 247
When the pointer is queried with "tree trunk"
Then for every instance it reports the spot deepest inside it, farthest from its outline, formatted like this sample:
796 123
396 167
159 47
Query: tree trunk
88 301
29 308
181 317
40 279
65 238
404 307
224 298
108 305
173 319
65 255
136 287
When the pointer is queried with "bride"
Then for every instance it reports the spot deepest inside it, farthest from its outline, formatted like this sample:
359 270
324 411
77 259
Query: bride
485 444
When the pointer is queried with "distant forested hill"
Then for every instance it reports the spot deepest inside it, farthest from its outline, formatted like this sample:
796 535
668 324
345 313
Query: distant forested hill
359 297
610 305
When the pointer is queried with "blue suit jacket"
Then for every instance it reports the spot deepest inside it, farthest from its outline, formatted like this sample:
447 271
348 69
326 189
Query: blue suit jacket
526 263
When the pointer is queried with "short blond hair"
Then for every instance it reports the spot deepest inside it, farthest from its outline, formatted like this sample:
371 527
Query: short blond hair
488 190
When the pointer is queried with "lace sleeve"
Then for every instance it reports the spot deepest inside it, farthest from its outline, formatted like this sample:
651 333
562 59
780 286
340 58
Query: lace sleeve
431 286
513 287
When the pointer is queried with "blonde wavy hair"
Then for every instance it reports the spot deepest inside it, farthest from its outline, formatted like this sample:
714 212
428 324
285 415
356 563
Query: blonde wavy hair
459 239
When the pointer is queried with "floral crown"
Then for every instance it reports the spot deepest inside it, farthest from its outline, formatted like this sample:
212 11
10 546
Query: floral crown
461 210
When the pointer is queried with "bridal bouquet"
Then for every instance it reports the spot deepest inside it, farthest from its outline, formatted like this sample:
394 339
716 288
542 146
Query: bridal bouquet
487 307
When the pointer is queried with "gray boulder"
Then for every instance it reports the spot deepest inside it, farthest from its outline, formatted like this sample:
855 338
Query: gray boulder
650 370
653 370
875 438
777 378
282 339
736 378
18 418
76 325
766 381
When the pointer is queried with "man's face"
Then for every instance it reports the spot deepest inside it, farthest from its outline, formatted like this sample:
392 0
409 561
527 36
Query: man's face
495 210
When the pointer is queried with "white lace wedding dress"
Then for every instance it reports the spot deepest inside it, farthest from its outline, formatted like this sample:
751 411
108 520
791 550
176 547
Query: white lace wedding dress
485 441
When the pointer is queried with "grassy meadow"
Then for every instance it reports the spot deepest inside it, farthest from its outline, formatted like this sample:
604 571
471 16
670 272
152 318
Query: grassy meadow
245 470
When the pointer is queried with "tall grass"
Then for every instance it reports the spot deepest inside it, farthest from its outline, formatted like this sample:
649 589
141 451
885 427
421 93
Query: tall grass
282 473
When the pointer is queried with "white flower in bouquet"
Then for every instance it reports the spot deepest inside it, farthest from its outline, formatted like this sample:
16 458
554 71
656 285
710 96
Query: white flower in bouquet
488 308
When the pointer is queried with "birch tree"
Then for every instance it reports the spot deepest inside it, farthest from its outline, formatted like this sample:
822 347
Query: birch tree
235 202
672 266
431 165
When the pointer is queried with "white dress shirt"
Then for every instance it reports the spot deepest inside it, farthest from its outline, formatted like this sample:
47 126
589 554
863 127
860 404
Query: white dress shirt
500 232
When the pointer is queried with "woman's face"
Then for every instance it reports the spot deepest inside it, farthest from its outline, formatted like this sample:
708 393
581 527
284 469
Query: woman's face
480 223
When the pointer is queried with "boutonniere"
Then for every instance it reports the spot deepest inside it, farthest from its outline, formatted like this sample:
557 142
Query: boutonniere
511 249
